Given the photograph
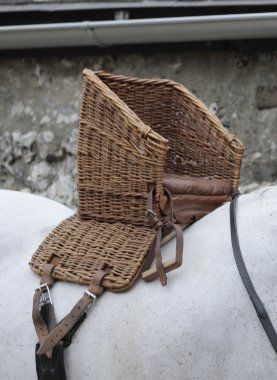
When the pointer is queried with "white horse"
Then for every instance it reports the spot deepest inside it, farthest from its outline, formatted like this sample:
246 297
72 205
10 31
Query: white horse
202 325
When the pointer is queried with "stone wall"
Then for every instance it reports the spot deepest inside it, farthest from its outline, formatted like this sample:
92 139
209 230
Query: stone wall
40 98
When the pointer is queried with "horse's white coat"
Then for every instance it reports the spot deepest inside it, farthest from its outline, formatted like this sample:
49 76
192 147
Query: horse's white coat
201 326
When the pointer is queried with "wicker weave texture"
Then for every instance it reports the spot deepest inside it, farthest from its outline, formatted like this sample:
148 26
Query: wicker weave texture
131 131
82 246
119 157
199 145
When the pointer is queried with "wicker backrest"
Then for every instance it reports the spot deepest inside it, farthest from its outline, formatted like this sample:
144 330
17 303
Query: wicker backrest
119 157
199 145
126 126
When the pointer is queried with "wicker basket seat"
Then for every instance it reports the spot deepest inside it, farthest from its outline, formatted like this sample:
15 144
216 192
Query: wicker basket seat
79 243
131 131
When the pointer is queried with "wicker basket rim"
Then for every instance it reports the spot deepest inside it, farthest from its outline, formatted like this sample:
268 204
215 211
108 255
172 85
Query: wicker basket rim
140 125
232 139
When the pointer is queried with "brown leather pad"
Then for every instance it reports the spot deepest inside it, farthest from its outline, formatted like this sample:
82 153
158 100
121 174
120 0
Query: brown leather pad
185 184
195 197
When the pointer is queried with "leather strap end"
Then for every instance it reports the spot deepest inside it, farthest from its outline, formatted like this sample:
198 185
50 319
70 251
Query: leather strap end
163 279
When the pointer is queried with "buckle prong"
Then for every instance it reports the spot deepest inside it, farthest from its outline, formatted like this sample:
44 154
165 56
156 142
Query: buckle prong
150 214
45 297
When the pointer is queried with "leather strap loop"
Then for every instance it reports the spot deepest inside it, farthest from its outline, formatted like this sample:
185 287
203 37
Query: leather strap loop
46 276
161 227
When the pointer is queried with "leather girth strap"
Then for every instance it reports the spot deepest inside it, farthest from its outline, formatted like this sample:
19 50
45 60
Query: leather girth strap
53 338
258 305
162 226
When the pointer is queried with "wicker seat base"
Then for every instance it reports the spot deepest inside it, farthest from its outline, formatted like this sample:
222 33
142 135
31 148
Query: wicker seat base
81 247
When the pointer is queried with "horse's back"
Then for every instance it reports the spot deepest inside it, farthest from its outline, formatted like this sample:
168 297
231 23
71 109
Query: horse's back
202 325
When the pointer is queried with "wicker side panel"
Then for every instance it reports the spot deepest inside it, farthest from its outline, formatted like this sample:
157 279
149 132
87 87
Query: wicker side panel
82 246
204 147
119 157
199 145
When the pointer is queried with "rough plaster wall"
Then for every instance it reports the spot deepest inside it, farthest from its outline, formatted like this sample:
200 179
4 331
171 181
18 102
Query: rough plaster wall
40 98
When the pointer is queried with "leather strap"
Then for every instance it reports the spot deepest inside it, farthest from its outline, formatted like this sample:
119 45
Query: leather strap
50 334
162 227
150 274
42 292
258 305
51 368
78 312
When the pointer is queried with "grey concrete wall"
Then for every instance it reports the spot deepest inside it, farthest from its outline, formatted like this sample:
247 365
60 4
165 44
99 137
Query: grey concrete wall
40 98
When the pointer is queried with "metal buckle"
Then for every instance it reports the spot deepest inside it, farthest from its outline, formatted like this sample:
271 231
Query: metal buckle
45 294
150 214
91 295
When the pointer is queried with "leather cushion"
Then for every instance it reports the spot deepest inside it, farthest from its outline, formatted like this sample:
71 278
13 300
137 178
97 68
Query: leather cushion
194 197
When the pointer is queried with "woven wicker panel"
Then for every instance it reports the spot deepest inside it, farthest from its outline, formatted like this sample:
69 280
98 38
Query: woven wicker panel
199 145
82 246
119 157
124 130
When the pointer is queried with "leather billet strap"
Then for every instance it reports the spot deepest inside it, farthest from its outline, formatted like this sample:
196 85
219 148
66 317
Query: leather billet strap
162 226
51 368
50 337
258 305
42 298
